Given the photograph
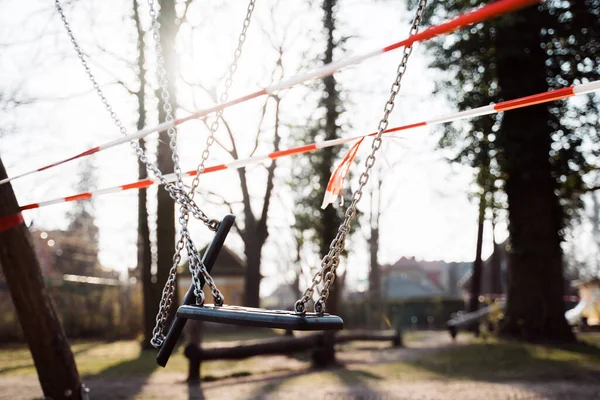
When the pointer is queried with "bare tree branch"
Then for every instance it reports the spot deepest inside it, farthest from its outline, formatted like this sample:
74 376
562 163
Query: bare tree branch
260 123
271 169
592 189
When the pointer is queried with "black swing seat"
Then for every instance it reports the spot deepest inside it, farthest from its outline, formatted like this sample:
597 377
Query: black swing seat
237 315
262 318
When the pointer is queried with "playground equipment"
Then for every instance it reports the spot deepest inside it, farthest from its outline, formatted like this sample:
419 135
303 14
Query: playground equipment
31 298
464 320
194 305
587 311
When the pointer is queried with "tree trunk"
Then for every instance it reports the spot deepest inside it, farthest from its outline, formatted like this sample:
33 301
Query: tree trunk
535 308
374 273
496 266
144 253
252 250
192 350
475 289
165 213
331 219
596 228
256 231
37 314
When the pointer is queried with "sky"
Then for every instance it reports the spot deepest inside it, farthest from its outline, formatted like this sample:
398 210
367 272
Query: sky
428 212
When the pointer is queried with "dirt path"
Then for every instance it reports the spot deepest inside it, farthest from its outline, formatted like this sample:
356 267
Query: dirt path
162 386
296 382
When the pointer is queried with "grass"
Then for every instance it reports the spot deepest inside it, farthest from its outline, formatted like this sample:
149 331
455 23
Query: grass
503 360
125 357
494 360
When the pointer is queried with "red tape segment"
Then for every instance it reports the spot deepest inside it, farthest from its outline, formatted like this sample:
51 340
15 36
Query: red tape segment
11 221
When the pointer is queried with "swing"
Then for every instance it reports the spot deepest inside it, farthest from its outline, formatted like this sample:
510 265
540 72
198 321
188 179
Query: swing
298 319
236 315
193 306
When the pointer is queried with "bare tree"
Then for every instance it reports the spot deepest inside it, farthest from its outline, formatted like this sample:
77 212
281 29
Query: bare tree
254 231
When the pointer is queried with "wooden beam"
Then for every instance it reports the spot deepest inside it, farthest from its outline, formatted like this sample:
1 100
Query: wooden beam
280 345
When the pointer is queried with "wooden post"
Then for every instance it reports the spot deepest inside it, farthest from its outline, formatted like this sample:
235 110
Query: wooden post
43 331
192 350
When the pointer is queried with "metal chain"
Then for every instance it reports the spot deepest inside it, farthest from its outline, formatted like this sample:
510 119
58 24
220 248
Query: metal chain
177 190
184 236
196 266
330 262
224 96
205 154
177 194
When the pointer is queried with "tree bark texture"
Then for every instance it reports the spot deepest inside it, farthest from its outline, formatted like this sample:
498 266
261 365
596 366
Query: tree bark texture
535 308
144 252
165 213
37 314
330 218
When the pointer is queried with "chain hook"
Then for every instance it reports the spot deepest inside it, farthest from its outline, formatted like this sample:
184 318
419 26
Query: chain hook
213 224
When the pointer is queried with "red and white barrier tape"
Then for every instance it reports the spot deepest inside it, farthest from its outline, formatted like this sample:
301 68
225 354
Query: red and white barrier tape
11 221
476 112
335 186
486 12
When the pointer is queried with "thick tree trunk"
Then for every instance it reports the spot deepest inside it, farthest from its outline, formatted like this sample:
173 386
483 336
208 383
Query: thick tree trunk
535 308
144 262
37 314
144 254
165 213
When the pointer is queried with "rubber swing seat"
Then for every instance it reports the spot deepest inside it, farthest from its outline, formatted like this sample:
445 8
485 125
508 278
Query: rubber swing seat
261 318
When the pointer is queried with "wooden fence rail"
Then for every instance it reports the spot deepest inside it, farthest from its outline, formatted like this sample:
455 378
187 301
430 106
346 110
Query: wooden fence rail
284 345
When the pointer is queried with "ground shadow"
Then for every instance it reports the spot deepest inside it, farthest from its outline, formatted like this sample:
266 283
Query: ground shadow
195 391
515 362
502 362
28 362
137 371
356 382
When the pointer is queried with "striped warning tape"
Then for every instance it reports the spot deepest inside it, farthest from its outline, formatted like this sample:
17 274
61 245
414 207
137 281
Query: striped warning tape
486 12
241 163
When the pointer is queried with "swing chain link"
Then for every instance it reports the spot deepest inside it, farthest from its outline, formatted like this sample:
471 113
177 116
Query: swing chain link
176 192
330 262
184 201
224 96
187 205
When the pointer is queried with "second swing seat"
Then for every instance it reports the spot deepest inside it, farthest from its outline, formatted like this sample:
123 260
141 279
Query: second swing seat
259 317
